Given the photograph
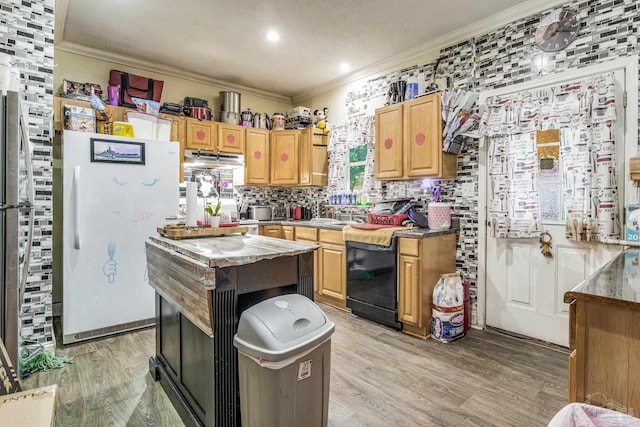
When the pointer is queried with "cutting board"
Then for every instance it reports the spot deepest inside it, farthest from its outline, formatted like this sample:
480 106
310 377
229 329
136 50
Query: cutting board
192 233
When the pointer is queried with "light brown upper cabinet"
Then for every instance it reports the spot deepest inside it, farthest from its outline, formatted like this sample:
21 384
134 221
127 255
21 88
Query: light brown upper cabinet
257 163
409 141
230 138
284 157
201 135
217 137
313 157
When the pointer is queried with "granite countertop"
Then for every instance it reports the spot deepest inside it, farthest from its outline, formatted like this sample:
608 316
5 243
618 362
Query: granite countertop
618 282
414 233
232 250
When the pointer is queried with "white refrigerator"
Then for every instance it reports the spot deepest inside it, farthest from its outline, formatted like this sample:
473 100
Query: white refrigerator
116 192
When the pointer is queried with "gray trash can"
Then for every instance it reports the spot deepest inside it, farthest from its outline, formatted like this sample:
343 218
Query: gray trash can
284 360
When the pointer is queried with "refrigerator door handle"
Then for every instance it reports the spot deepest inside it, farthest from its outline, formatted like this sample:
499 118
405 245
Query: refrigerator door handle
26 142
76 204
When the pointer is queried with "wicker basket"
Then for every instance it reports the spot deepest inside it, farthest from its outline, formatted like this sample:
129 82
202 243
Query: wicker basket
384 219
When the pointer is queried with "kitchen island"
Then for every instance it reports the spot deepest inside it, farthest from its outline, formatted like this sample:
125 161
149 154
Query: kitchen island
202 286
604 335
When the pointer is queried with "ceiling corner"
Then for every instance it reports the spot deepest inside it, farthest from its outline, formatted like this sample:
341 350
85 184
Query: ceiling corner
60 20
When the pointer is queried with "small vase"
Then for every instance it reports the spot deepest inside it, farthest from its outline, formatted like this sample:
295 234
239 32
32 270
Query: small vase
215 221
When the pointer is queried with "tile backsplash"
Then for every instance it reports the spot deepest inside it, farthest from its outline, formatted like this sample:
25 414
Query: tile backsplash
27 35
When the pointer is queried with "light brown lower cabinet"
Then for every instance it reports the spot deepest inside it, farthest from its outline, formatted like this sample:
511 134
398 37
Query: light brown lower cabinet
270 231
421 262
332 267
288 232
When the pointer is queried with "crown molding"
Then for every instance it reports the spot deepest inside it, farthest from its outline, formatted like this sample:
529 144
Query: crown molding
129 61
60 19
477 28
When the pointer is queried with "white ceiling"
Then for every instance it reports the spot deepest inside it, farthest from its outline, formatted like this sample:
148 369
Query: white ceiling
225 39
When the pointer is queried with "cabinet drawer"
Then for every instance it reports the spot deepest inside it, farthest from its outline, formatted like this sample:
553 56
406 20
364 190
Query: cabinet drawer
307 233
330 236
410 247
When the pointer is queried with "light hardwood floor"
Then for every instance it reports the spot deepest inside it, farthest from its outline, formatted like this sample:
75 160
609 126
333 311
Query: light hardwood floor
379 377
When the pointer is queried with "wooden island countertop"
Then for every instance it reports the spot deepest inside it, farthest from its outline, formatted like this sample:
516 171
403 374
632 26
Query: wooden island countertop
604 315
202 286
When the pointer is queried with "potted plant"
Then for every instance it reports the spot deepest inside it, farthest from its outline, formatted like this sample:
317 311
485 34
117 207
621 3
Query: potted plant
214 212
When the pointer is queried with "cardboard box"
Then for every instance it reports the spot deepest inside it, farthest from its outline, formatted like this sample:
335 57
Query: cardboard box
31 408
299 111
81 119
632 223
8 377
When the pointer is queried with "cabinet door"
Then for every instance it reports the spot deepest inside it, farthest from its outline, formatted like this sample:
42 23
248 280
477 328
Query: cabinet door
388 151
284 157
423 136
257 157
273 231
319 158
231 138
200 135
409 290
287 232
333 268
304 157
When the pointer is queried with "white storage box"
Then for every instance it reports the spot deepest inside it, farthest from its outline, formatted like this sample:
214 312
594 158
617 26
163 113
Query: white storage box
299 111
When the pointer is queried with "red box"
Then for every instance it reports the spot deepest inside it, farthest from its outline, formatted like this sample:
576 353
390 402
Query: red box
385 219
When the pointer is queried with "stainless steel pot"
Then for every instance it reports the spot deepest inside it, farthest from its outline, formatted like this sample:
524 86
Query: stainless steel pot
230 101
261 213
230 117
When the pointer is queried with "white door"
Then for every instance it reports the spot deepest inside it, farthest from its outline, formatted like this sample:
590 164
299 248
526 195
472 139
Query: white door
525 289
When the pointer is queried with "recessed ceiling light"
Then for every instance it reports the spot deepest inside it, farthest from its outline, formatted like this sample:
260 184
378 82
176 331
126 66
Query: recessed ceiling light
344 67
273 36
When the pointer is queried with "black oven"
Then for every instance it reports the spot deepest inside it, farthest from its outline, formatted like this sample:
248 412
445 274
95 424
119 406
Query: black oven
372 290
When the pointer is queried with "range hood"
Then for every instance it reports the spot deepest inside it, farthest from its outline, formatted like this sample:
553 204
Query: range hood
209 160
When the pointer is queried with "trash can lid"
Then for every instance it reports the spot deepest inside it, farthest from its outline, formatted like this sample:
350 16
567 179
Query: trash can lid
280 327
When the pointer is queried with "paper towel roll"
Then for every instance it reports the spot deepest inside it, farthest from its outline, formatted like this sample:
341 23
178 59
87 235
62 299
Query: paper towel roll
192 204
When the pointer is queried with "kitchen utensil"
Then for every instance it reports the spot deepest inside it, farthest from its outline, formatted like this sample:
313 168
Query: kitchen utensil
439 216
277 121
261 121
261 213
230 117
296 212
200 113
279 212
417 218
246 118
402 88
229 101
393 92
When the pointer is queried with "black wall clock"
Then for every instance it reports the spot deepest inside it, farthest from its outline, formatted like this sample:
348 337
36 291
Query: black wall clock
557 30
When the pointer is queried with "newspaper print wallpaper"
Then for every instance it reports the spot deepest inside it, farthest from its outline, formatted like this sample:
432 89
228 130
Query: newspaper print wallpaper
27 35
501 58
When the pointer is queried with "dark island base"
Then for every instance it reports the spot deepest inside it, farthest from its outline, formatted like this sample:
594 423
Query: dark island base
200 373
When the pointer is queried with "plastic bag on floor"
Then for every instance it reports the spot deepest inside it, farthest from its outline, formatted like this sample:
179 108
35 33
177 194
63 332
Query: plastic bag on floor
584 415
